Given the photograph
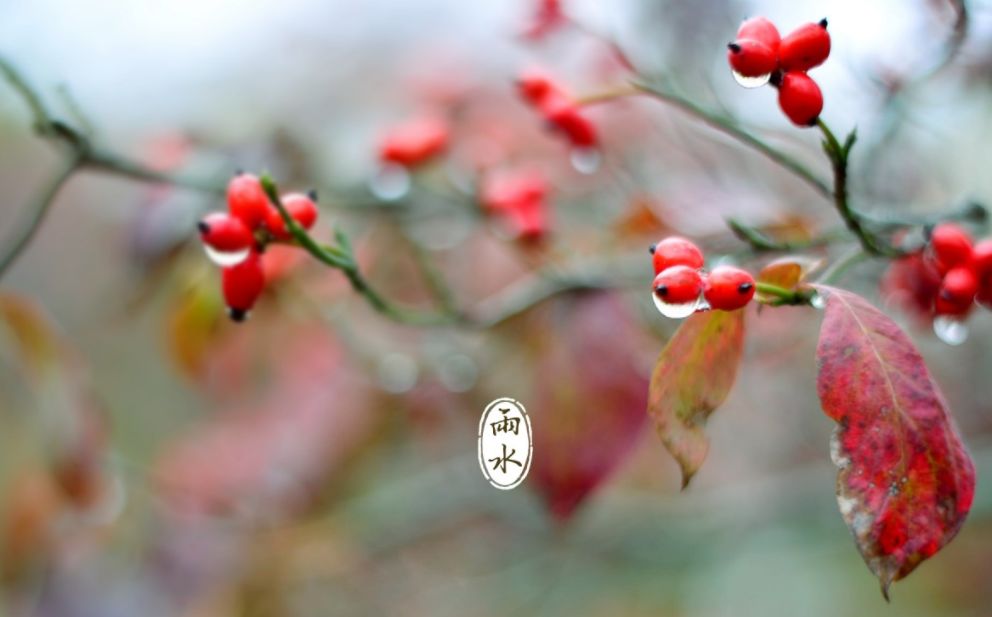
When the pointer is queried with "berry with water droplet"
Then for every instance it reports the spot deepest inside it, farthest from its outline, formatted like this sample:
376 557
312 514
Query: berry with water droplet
959 286
751 58
805 47
678 285
302 208
761 30
676 251
800 98
242 285
728 288
946 306
225 233
950 245
247 200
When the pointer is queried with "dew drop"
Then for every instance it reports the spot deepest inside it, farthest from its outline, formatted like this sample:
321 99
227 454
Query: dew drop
585 160
390 182
950 330
674 311
752 82
818 302
226 259
458 373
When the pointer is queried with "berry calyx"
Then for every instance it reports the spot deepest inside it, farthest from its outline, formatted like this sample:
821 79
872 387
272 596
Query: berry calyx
225 232
959 286
950 245
678 285
242 285
247 200
761 30
751 58
415 142
805 47
302 208
728 288
800 98
676 251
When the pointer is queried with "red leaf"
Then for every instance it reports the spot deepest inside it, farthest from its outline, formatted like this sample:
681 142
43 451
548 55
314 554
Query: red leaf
693 376
906 481
587 408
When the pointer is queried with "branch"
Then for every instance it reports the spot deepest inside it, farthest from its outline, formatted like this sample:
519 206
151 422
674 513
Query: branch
729 127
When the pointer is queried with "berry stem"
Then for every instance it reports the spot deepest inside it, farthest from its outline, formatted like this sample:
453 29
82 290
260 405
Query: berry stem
838 155
783 296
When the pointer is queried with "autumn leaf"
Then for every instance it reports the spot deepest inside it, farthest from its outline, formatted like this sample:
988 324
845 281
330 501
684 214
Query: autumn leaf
692 378
906 482
587 410
787 273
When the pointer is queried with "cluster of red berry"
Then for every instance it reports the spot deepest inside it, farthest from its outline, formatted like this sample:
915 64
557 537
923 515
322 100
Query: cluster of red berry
759 52
237 238
520 198
947 278
558 108
681 280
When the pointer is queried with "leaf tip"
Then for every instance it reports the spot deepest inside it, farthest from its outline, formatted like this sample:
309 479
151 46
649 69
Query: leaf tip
884 587
687 475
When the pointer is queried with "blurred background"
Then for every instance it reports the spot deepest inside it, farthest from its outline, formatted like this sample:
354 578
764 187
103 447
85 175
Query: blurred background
157 459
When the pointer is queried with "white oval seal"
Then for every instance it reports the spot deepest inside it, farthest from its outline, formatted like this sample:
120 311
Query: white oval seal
505 443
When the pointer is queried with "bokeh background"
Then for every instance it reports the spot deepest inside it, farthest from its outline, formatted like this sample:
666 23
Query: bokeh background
320 460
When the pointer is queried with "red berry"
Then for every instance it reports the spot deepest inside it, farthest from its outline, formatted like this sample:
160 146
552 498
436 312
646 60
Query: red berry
299 206
246 200
806 47
501 192
537 87
242 285
528 219
569 119
981 259
959 285
950 245
224 232
727 288
751 58
800 98
943 306
761 30
912 282
676 251
678 285
414 142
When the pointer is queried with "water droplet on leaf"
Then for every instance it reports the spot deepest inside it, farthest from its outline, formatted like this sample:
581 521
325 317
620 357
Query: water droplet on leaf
585 160
950 330
397 373
751 82
390 182
818 302
226 259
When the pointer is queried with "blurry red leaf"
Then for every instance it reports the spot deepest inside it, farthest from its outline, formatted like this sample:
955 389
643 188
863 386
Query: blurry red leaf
588 408
193 327
692 378
271 460
906 481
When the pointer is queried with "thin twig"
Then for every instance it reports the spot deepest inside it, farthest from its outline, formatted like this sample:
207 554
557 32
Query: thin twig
36 211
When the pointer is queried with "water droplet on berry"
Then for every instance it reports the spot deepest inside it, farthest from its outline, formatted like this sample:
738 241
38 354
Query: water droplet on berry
751 82
951 330
390 182
818 302
585 160
226 259
674 311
